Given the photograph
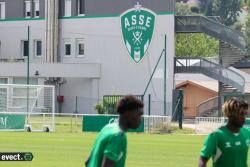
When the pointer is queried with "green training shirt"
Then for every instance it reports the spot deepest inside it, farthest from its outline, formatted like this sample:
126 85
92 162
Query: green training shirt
111 143
227 148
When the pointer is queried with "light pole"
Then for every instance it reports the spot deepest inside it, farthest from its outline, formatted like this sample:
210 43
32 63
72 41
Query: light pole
28 76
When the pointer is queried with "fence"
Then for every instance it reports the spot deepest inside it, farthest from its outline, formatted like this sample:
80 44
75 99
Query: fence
84 105
68 122
205 125
77 105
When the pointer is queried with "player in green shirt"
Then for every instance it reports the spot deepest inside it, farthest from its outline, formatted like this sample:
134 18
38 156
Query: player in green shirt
110 147
228 145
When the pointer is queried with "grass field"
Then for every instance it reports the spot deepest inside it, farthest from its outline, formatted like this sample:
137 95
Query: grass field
70 149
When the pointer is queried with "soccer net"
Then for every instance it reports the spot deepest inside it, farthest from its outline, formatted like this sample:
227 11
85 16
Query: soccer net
22 106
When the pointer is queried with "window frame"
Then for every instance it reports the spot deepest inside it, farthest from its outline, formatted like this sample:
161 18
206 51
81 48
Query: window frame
80 41
78 8
4 79
22 48
27 4
35 48
36 8
0 49
67 42
2 10
67 8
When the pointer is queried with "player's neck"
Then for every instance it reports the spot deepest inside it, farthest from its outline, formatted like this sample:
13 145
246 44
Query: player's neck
233 128
123 124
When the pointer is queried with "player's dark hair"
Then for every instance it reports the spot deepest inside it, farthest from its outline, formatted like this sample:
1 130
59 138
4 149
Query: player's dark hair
129 103
234 105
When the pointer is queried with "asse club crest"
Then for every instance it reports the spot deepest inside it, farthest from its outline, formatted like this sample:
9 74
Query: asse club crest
137 29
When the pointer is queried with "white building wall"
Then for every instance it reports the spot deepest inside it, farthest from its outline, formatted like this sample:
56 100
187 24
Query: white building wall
119 73
11 34
77 92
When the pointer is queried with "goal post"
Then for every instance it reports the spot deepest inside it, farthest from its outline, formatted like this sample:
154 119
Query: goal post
20 103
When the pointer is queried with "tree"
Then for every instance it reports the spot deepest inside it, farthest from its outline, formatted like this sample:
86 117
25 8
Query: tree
228 9
193 45
247 32
196 45
183 9
238 26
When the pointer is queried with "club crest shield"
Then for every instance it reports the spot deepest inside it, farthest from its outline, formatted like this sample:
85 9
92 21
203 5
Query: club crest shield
137 26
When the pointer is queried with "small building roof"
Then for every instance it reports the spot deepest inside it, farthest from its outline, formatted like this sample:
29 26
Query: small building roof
209 85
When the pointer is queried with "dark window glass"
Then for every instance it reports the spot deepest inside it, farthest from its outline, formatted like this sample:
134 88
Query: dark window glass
67 49
38 48
25 48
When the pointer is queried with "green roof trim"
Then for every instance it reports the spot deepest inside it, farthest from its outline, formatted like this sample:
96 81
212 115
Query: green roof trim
97 16
110 15
166 13
22 19
76 17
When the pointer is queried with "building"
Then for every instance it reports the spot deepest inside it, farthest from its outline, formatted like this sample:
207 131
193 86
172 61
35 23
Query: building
77 45
195 93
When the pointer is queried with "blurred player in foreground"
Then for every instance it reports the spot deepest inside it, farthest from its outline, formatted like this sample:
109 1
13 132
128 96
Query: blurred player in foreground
110 147
228 145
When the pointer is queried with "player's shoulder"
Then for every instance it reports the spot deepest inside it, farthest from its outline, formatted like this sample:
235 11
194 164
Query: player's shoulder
245 130
113 129
221 131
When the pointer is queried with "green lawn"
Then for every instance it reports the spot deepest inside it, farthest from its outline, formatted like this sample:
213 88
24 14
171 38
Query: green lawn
70 149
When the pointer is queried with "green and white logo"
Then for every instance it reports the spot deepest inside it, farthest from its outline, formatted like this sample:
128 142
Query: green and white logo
137 29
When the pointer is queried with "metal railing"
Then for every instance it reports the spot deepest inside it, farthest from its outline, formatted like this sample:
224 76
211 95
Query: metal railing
211 27
205 125
109 102
207 106
211 69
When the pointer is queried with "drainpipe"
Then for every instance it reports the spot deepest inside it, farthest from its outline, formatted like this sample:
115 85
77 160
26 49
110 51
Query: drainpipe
51 36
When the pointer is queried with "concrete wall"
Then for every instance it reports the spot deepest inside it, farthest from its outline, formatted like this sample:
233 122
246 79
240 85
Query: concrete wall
15 9
110 7
97 7
77 92
13 32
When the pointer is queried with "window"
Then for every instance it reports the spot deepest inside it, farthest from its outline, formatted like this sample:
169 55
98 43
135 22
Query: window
3 101
2 10
36 9
19 94
27 9
67 48
25 48
38 48
3 80
81 7
0 48
33 81
67 8
3 95
79 47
